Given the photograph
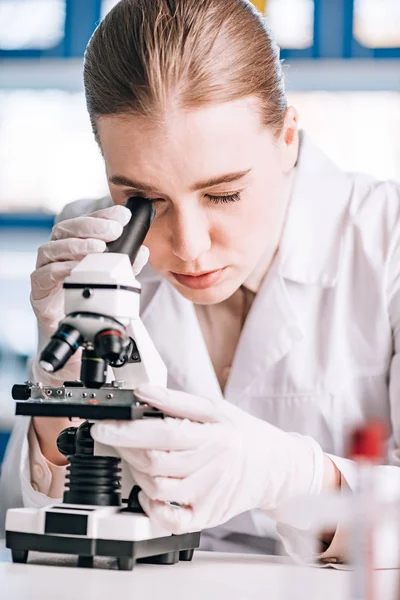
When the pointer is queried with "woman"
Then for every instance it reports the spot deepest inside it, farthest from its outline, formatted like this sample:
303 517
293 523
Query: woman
272 288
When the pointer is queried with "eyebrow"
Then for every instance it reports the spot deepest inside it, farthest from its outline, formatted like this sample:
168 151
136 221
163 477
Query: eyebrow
121 180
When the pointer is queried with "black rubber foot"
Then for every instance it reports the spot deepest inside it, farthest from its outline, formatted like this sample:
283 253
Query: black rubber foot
125 563
186 554
19 556
86 562
169 558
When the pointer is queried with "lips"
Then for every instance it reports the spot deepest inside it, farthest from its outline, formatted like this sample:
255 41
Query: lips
199 282
200 274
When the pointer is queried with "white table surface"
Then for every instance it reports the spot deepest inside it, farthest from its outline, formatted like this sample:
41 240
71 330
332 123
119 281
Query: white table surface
210 576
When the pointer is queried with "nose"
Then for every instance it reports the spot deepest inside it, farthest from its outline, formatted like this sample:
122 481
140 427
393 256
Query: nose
190 234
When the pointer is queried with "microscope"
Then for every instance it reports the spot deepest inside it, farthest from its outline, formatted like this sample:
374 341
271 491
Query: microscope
100 514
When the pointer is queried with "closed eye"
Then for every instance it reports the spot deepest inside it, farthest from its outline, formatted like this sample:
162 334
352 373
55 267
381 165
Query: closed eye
224 199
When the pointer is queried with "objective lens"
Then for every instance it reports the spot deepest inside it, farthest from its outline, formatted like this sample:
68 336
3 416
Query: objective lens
109 344
62 345
93 369
46 366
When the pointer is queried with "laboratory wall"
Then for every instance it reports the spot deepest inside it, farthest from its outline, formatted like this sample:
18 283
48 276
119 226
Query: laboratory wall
342 67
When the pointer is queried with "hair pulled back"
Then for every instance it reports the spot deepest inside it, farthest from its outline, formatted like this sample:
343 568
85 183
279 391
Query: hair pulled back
148 56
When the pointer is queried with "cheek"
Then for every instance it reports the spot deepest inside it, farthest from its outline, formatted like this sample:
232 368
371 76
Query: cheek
241 227
267 205
229 231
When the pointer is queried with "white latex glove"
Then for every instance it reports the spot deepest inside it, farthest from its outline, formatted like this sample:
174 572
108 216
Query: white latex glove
71 241
215 460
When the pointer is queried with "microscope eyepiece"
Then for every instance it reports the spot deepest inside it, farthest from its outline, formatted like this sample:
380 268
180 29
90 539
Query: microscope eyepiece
62 345
135 231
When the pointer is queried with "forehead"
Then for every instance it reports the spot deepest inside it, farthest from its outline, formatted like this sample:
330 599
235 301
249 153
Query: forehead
186 145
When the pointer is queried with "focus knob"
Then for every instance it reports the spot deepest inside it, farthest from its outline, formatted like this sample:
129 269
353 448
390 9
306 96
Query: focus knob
66 441
21 391
76 440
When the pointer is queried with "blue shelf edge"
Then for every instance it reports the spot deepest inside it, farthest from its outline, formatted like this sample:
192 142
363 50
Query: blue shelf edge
25 220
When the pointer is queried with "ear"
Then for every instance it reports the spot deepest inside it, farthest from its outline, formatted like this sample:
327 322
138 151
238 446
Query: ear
289 140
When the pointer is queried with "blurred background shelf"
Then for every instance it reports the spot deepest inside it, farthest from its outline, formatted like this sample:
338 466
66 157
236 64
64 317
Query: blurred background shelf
325 74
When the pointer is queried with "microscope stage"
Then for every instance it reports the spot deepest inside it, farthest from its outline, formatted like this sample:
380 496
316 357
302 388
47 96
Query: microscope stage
74 400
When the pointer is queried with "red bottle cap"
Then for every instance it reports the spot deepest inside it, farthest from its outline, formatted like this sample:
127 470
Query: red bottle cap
368 442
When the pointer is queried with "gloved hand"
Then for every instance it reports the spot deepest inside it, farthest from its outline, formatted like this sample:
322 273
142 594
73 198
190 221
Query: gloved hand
71 241
215 460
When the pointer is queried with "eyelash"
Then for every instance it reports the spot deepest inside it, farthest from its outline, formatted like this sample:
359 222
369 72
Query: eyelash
226 199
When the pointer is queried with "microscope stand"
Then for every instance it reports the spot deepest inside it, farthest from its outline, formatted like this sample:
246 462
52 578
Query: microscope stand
90 531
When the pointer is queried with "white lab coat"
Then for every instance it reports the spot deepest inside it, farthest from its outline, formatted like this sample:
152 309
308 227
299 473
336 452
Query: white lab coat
319 350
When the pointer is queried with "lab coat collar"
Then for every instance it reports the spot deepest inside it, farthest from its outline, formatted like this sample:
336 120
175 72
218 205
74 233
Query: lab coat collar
271 328
313 236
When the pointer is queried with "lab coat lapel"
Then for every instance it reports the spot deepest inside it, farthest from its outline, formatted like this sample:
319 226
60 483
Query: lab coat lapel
172 324
269 331
317 221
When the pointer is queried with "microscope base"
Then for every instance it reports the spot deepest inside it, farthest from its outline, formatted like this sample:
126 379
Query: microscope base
95 531
168 550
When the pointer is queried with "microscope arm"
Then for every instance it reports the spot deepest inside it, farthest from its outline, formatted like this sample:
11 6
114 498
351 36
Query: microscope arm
149 366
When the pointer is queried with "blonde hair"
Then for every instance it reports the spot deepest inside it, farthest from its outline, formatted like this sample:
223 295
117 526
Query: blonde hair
148 55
